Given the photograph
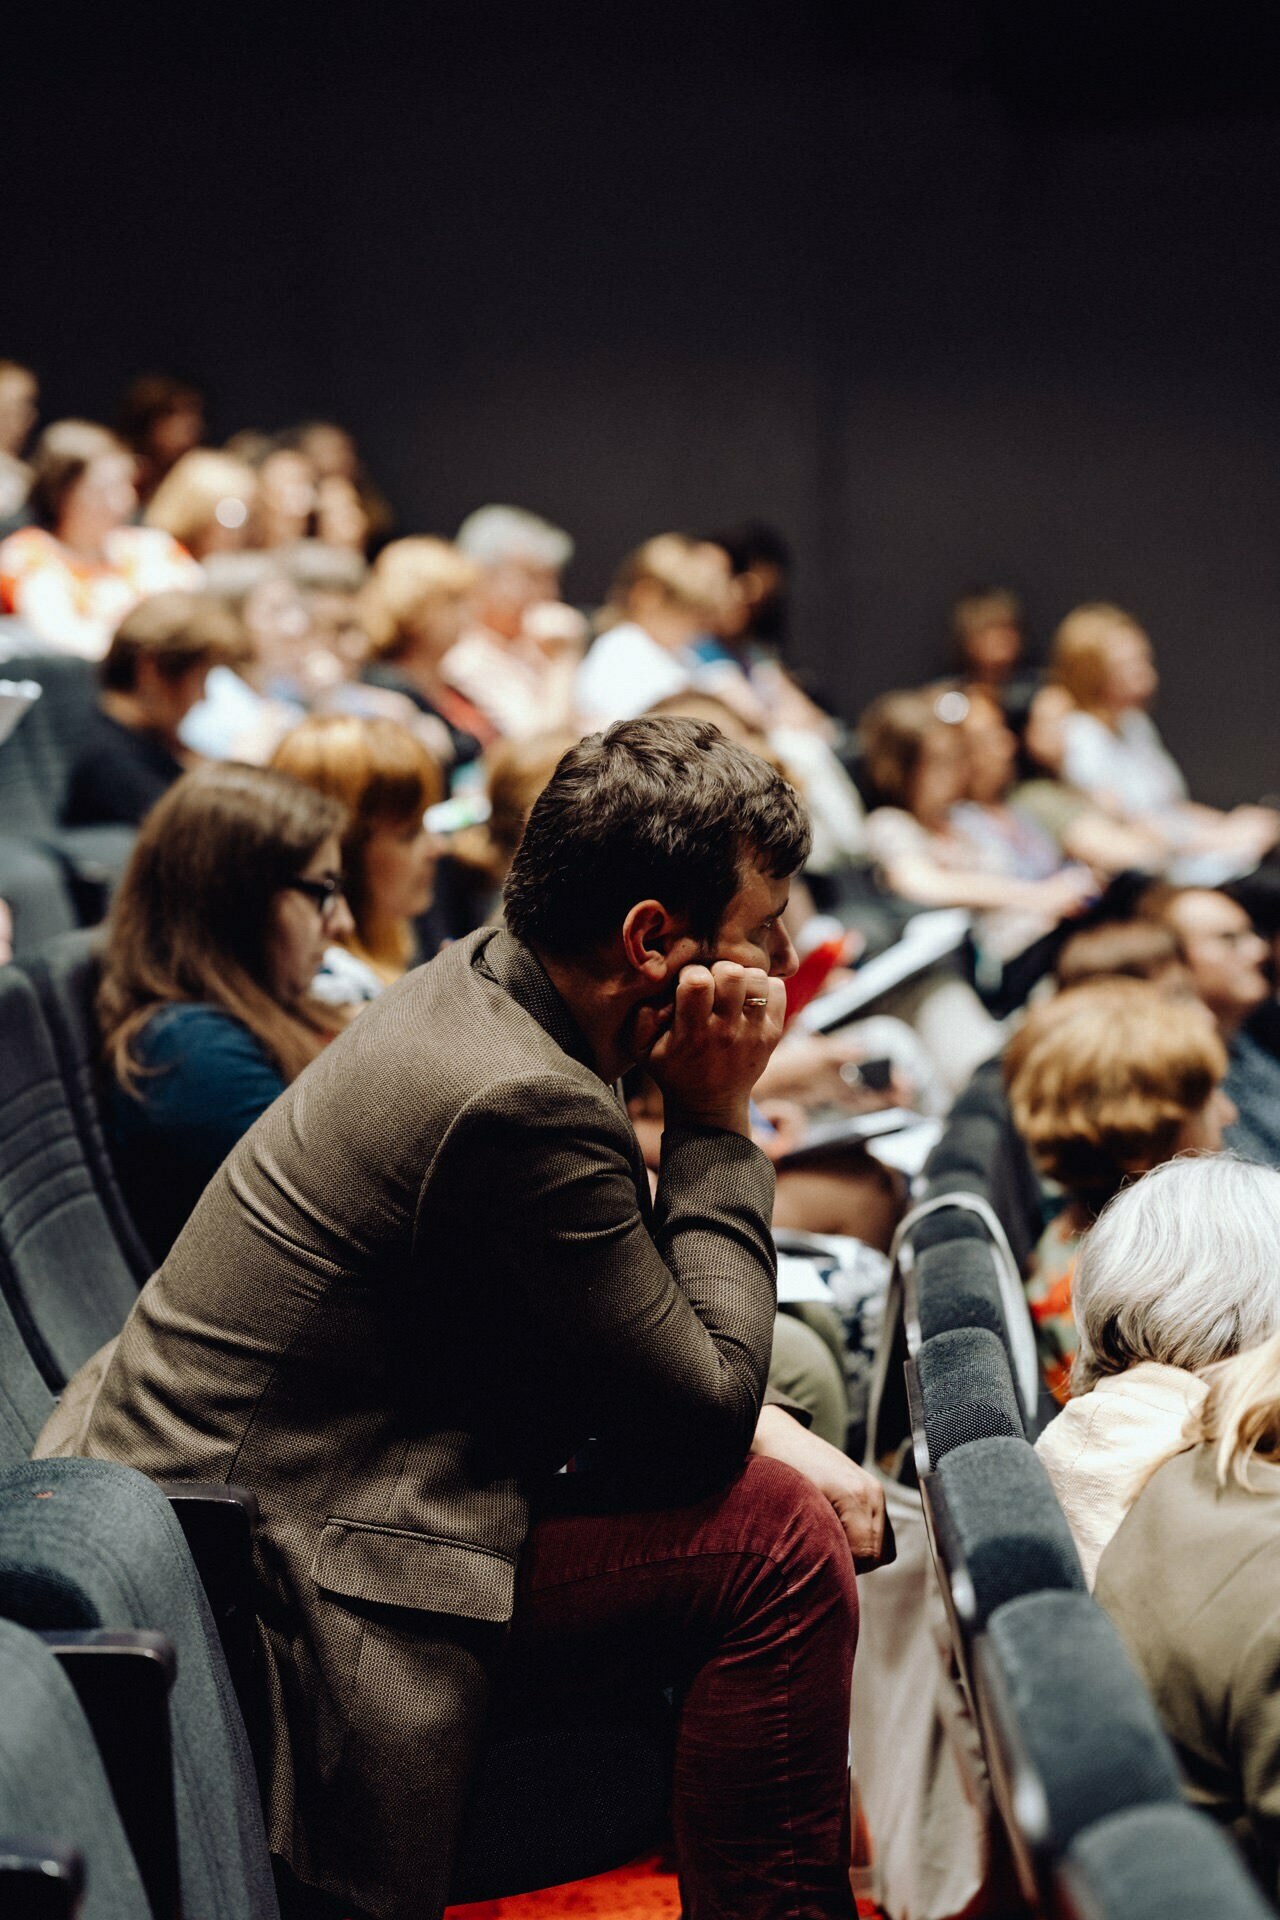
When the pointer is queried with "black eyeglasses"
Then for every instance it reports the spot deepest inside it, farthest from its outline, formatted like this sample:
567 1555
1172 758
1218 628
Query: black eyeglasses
323 894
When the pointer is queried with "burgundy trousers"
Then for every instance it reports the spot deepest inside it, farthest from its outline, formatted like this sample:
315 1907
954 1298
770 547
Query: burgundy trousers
746 1604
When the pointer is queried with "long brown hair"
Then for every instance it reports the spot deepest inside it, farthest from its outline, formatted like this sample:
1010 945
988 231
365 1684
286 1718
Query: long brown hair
191 920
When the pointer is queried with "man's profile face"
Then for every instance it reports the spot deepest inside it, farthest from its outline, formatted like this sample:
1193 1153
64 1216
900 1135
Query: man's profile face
1225 955
751 931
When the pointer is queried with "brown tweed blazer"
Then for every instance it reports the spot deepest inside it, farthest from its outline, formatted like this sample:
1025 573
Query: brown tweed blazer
425 1278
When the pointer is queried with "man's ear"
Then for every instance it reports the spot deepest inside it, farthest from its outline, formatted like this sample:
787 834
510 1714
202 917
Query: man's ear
654 942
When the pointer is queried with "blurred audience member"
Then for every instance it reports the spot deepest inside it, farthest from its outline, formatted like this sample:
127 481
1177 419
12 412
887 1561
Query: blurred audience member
1107 1081
1227 959
340 518
668 593
286 495
206 502
760 561
1123 949
220 924
1036 824
1111 750
478 858
1204 1535
334 456
386 780
152 677
989 634
517 660
919 764
75 574
161 419
1181 1270
751 633
418 600
19 411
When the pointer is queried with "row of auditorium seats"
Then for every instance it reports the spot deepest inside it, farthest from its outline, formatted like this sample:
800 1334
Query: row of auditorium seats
53 877
1082 1776
112 1770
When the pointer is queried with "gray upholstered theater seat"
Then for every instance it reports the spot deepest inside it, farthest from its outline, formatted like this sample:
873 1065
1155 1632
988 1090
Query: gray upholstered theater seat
1070 1732
999 1530
961 1389
65 974
91 1544
947 1225
957 1285
1150 1863
52 1782
66 1281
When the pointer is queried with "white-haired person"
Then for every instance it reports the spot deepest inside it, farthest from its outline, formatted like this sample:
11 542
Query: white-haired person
520 651
1181 1270
1192 1581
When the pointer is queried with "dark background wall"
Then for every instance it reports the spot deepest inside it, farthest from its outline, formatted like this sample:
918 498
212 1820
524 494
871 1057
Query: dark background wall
949 292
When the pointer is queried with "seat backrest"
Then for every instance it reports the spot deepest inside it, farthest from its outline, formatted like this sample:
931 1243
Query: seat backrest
971 1142
946 1225
52 1781
90 1543
1149 1863
26 1399
1071 1731
965 1390
37 758
998 1529
957 1285
65 976
982 1145
67 1283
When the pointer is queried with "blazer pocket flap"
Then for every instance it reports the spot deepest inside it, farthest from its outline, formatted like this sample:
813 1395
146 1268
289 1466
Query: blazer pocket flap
397 1567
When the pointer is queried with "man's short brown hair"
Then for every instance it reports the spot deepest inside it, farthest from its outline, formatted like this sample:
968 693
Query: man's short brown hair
177 631
653 809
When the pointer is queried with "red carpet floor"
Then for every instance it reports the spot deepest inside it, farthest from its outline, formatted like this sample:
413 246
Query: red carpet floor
644 1891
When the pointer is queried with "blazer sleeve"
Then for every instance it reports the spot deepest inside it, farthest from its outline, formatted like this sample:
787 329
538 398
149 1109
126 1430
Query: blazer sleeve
665 1326
1253 1710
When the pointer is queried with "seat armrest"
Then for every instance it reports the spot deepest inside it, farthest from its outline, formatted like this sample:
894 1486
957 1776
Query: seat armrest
219 1522
39 1881
122 1681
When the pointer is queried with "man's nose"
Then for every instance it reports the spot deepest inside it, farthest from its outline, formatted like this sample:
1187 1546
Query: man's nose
785 958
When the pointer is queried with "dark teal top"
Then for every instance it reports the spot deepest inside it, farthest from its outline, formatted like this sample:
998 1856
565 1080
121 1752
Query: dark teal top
206 1081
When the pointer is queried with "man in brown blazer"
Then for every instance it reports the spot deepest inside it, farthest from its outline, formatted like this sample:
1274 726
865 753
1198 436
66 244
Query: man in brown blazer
431 1275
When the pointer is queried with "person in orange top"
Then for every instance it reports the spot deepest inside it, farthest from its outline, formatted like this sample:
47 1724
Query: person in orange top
74 575
1107 1081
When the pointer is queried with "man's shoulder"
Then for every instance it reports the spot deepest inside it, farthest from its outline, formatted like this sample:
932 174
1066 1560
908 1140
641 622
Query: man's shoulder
450 1032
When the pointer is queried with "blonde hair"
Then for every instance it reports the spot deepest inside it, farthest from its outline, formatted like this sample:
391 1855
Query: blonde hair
186 502
1240 1419
407 577
1103 1079
679 566
1080 660
383 776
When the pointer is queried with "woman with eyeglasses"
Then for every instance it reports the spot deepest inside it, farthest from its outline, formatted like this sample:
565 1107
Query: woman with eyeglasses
385 778
231 897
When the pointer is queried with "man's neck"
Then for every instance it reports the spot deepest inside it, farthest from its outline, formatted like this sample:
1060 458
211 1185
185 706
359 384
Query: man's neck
601 1010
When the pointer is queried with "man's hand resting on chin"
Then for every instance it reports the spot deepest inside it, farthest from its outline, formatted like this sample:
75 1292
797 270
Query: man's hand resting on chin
856 1495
